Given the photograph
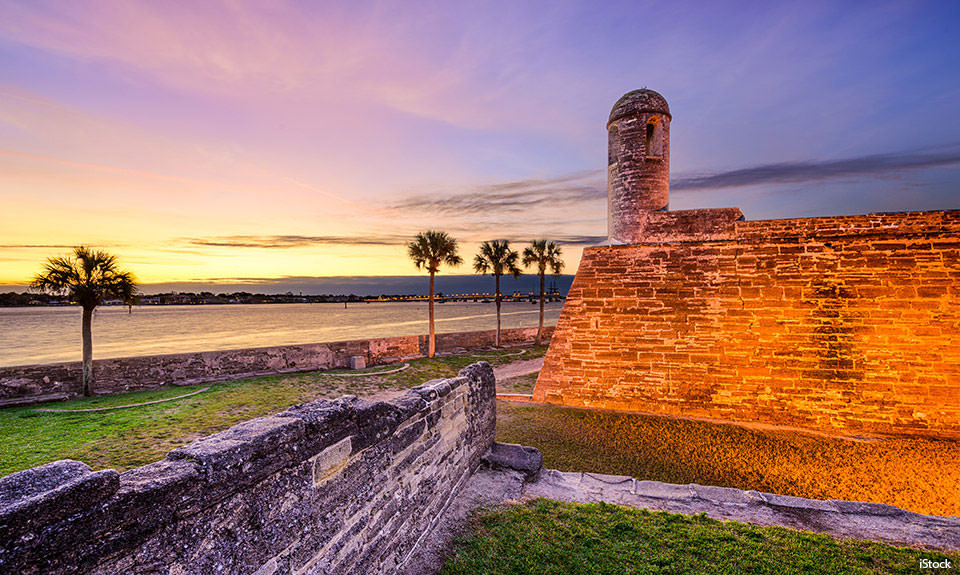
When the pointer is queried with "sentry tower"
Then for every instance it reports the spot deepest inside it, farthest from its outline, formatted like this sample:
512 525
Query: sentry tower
638 166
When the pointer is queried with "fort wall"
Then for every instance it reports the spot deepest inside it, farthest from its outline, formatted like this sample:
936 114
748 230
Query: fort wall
150 372
332 487
847 324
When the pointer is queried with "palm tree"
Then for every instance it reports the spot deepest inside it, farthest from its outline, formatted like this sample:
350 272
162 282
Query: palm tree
497 258
428 250
545 255
88 277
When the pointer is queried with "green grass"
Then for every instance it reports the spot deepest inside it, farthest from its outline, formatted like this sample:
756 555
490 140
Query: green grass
127 438
912 473
519 384
546 537
916 474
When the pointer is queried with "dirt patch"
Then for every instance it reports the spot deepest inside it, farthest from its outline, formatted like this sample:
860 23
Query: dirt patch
518 368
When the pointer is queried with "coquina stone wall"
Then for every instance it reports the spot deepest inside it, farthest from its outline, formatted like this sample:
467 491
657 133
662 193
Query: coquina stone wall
846 324
345 486
150 372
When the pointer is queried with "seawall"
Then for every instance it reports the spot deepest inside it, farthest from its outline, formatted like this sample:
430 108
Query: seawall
150 372
842 323
332 487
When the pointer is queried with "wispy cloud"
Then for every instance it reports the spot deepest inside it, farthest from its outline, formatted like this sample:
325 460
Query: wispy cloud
568 239
579 188
34 246
814 171
295 241
515 196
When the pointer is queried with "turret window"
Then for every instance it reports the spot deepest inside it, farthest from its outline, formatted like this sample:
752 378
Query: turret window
612 145
654 139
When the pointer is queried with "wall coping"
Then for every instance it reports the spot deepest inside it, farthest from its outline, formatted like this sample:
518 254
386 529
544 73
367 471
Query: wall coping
819 228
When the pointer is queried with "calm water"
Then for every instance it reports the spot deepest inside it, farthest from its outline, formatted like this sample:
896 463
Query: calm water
52 334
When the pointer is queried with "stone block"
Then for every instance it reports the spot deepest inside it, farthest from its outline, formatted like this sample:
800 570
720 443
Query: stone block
245 453
658 490
149 499
375 421
326 422
619 482
407 434
44 495
726 495
409 404
864 508
331 461
527 460
426 392
792 502
163 483
29 482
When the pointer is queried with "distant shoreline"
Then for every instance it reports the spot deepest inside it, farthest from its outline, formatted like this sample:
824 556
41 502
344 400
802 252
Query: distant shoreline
279 300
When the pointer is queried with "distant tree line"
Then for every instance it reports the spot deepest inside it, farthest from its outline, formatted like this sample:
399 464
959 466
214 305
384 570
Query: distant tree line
13 299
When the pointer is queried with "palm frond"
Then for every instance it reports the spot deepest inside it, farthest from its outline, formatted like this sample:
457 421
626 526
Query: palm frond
87 276
544 254
431 248
497 258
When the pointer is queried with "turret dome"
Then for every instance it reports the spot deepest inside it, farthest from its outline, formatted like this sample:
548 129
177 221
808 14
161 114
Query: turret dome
639 101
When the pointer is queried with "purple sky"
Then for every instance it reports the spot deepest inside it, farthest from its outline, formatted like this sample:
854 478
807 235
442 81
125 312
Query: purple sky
209 141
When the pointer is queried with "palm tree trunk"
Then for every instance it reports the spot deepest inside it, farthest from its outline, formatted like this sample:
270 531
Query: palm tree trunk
540 329
433 343
497 342
87 378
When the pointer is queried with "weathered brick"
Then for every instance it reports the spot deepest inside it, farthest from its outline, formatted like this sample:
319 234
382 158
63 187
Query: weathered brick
885 319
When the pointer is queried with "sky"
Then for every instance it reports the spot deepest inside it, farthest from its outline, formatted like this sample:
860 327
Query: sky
267 143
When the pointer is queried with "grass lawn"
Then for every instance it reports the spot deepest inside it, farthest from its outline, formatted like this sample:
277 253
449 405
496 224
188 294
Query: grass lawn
546 537
916 474
921 475
519 384
126 438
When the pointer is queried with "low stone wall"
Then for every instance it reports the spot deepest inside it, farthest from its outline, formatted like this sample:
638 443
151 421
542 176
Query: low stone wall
153 371
345 486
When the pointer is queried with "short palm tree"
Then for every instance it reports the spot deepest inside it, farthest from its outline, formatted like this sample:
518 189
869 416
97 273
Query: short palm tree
88 277
428 250
544 255
496 258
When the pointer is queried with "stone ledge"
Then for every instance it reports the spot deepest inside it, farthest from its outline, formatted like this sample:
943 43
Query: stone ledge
845 519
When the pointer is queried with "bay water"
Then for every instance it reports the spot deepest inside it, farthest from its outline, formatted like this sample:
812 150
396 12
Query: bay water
36 335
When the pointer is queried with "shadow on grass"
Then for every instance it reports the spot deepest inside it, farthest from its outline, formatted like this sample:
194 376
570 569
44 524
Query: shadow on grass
920 475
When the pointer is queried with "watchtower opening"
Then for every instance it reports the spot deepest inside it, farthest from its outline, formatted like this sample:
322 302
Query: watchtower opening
654 141
613 145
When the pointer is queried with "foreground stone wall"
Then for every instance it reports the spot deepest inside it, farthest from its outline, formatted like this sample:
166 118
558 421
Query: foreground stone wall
331 487
150 372
842 323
